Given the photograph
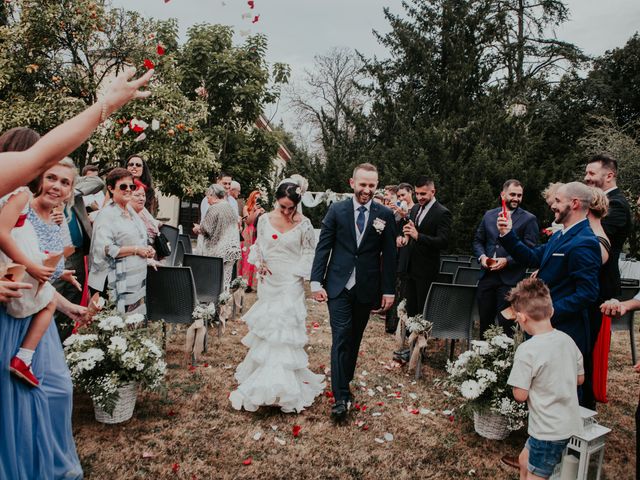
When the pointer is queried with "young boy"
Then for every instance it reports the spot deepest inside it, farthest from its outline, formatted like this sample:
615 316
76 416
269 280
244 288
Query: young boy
546 371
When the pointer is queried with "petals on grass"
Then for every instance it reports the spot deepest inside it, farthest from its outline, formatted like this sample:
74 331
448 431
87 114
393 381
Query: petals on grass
149 65
175 467
160 50
171 413
247 461
274 236
328 394
296 430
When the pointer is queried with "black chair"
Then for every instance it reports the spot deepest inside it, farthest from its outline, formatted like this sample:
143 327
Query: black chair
451 266
464 258
444 277
171 296
449 257
450 309
467 276
207 274
186 242
172 236
625 322
179 255
475 263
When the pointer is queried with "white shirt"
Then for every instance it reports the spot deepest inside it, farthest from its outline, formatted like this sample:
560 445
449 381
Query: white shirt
424 211
204 206
547 366
95 197
234 204
356 213
566 229
609 190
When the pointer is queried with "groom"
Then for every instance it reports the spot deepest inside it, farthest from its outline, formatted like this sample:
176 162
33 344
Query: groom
355 262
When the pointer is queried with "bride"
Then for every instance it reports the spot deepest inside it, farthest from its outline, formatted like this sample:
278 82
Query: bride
275 372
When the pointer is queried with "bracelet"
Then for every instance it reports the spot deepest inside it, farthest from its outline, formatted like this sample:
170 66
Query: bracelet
104 112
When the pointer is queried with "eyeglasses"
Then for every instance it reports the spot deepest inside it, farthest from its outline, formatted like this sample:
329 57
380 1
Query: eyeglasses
127 186
137 165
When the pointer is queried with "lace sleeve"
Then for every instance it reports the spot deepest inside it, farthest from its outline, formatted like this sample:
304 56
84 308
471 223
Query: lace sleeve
5 199
307 249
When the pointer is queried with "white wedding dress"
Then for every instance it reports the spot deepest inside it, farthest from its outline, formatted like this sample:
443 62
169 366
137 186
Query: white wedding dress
275 370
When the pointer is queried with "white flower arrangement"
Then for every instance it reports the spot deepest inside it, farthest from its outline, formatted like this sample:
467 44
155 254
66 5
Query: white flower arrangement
418 324
480 376
224 298
238 283
379 224
111 352
205 313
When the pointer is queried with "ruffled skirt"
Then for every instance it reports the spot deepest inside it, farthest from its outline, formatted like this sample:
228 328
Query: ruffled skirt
275 371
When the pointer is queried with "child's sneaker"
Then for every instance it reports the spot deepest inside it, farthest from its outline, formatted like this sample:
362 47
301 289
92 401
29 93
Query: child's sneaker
24 373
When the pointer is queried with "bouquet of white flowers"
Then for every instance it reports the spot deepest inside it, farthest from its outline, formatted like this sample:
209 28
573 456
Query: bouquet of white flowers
480 376
113 351
238 283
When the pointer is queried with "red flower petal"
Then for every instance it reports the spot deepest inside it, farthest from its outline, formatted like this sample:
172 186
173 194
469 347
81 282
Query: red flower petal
171 413
365 427
380 404
329 394
247 461
251 4
148 64
255 19
205 365
296 430
160 49
316 325
274 236
191 368
175 467
364 408
357 406
451 418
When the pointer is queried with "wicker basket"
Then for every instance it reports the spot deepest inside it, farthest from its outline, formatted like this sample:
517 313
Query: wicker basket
124 406
490 425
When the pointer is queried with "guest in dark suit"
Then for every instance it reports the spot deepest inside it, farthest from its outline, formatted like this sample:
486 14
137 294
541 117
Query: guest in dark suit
500 271
80 230
401 210
569 263
354 269
602 172
425 235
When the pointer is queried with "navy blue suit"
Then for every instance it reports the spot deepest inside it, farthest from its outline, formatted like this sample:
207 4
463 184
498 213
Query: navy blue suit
494 285
337 254
569 264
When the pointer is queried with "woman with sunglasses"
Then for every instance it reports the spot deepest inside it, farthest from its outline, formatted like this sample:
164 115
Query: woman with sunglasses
140 171
119 247
275 371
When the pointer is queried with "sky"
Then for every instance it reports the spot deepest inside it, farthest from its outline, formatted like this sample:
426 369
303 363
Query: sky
299 29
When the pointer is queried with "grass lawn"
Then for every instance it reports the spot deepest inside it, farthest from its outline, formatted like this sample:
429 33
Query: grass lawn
193 433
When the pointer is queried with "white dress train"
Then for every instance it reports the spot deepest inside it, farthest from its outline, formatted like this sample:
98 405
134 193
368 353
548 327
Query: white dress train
275 370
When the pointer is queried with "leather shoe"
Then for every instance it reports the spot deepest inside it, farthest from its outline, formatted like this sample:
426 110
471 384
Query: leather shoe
23 372
339 411
510 461
402 355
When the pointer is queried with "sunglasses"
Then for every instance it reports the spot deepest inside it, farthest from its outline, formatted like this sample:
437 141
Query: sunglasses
137 165
127 186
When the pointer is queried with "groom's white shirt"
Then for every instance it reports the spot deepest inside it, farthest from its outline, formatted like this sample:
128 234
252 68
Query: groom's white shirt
316 286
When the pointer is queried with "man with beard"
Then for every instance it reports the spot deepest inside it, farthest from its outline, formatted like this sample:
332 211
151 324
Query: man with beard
354 269
601 172
569 263
425 235
500 271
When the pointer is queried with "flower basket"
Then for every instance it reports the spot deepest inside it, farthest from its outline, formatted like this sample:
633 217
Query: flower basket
123 411
491 425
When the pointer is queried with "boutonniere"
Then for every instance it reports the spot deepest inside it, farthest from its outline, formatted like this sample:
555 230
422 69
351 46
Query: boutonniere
379 225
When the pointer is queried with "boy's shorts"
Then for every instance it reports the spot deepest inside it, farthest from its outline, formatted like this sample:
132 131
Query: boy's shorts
544 455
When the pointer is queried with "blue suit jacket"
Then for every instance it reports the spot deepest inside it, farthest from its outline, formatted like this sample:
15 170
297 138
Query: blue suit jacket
485 241
337 253
569 264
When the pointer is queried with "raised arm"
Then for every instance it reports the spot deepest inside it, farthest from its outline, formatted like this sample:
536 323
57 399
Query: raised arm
21 167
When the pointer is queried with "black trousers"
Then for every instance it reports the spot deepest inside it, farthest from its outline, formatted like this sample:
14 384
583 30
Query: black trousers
491 301
391 319
417 290
348 319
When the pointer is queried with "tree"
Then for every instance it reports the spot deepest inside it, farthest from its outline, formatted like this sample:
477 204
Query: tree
235 82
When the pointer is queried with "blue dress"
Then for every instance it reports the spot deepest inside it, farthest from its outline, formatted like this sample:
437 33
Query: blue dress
50 367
